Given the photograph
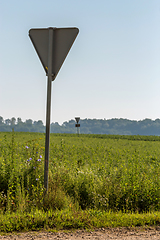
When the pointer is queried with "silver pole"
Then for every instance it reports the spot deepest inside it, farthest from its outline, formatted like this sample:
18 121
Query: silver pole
48 110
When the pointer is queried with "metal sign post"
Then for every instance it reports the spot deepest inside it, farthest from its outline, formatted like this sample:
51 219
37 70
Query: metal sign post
48 109
52 46
77 125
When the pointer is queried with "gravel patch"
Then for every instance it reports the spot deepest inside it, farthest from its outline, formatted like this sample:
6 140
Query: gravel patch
98 234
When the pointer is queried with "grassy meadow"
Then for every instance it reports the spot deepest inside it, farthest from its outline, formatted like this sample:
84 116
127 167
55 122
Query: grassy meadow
94 181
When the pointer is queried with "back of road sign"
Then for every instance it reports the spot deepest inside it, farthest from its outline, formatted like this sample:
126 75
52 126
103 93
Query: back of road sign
63 39
77 119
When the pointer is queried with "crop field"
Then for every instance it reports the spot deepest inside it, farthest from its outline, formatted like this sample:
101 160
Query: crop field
111 173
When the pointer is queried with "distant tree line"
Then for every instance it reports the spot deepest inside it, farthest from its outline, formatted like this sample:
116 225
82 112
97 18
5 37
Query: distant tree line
28 126
88 126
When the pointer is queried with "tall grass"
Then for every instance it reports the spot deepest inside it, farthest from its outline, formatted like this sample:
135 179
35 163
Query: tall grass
87 172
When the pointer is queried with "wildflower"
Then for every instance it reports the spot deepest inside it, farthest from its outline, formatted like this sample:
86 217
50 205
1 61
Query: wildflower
34 167
28 160
37 179
36 152
27 147
40 156
39 160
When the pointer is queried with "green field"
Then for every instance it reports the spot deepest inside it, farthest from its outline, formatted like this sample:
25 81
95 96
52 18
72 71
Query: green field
89 174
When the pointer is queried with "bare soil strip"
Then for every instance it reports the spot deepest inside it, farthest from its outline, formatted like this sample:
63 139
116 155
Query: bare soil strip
101 234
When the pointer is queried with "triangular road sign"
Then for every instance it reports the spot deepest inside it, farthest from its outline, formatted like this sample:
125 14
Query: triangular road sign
63 39
77 119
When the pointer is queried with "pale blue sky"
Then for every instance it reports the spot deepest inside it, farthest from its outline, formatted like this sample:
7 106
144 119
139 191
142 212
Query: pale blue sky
112 70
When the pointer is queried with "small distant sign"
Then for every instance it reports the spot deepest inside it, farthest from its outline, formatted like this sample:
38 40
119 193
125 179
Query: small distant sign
77 125
77 119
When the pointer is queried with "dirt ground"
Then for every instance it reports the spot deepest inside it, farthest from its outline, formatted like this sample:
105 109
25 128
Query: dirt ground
98 234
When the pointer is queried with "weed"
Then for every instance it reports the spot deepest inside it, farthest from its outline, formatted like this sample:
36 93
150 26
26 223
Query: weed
99 173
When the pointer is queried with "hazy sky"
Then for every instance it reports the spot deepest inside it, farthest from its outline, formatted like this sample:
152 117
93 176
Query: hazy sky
112 70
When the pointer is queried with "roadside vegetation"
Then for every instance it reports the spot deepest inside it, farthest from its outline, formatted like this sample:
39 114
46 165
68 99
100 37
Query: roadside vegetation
94 181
